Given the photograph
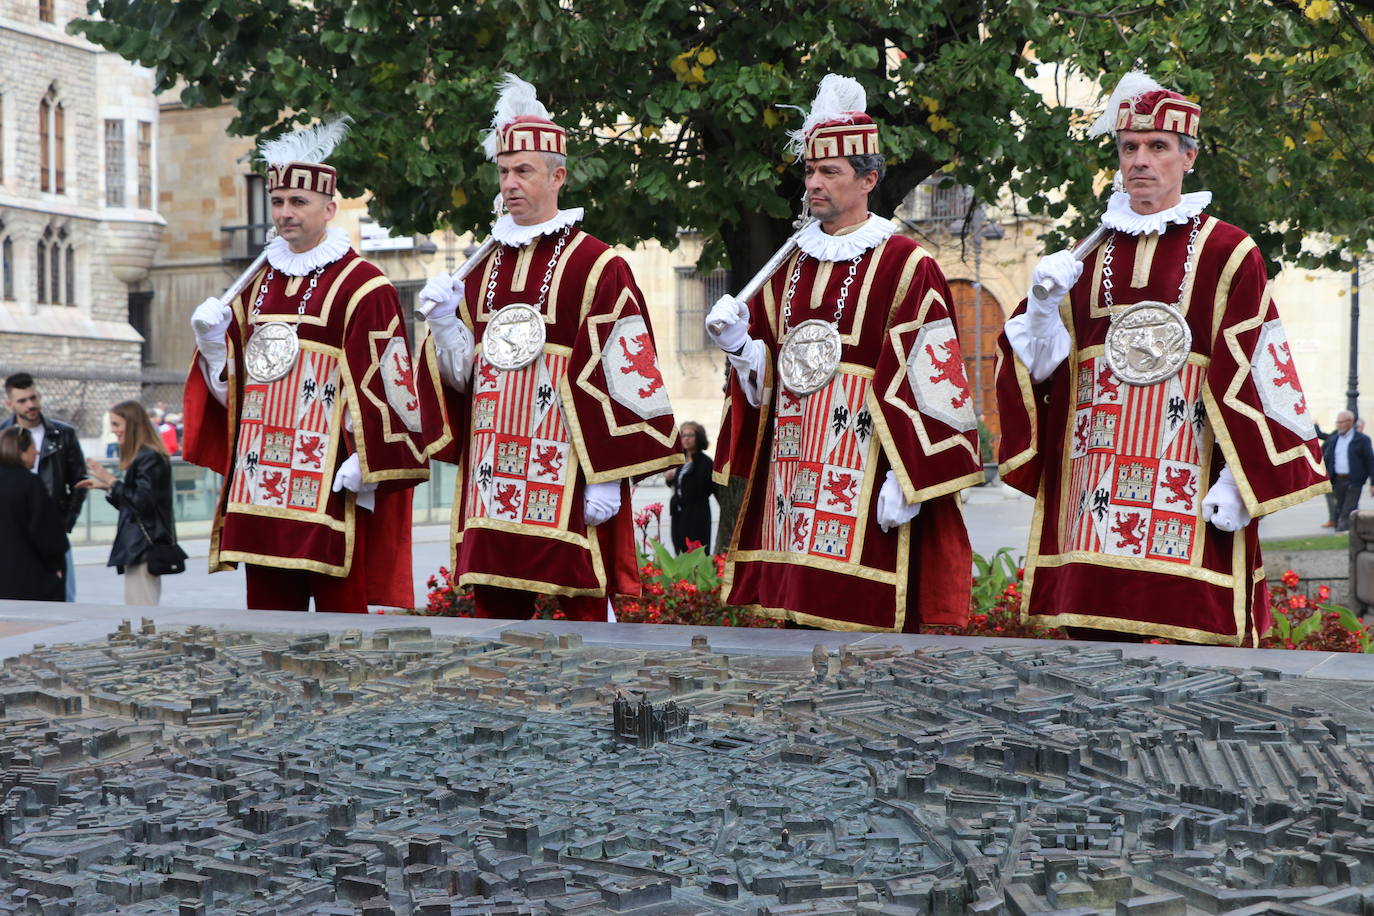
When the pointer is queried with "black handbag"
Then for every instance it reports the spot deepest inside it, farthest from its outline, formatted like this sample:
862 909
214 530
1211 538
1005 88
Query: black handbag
163 559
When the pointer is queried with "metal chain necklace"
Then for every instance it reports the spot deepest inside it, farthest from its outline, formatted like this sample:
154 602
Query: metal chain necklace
273 347
839 303
515 334
810 353
1148 342
1187 264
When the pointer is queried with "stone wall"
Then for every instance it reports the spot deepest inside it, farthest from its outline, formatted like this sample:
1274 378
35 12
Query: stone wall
87 340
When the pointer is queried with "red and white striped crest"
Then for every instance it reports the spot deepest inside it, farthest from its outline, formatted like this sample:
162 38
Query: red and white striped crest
285 447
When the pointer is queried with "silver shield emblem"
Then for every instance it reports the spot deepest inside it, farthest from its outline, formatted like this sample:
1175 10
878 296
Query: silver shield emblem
514 337
809 357
1148 343
272 351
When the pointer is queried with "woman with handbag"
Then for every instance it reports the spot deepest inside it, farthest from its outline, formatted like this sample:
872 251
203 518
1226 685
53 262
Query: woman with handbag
145 545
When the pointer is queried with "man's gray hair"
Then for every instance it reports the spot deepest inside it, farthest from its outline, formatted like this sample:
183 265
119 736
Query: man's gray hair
868 162
555 160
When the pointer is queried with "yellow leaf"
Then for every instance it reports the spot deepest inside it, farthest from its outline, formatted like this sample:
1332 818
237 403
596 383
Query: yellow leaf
1315 132
932 105
939 123
706 57
771 118
650 130
1319 9
679 64
459 197
697 75
1337 155
1288 143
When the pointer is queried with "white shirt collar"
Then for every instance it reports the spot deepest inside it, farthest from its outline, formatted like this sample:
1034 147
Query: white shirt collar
824 247
1121 217
508 232
333 246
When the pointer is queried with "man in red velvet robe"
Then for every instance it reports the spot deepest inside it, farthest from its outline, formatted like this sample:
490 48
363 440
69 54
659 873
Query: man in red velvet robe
1153 436
848 411
555 394
302 395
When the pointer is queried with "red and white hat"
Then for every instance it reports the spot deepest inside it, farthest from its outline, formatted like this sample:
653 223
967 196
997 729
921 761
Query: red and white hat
521 122
296 160
836 125
1140 103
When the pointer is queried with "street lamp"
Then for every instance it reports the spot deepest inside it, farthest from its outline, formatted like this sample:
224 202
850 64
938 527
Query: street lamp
981 231
1352 391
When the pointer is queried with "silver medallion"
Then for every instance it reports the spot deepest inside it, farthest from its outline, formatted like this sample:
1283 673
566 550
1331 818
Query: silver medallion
272 351
809 357
1148 343
514 337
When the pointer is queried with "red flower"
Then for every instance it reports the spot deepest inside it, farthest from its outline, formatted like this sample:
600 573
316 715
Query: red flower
1324 593
1291 579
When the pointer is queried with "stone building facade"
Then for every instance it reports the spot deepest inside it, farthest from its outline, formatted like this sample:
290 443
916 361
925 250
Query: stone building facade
78 224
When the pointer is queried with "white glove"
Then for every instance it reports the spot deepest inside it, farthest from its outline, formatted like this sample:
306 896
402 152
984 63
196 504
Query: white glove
600 501
893 509
1222 506
210 320
732 318
1056 274
445 291
349 476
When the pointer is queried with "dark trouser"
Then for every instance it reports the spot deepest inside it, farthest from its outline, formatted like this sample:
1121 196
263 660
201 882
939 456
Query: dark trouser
274 589
1345 497
516 604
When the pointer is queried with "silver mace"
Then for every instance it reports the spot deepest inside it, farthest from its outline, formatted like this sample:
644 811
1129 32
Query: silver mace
468 266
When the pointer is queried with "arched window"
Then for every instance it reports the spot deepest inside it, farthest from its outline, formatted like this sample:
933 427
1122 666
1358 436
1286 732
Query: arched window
52 143
42 287
6 266
45 10
44 144
55 269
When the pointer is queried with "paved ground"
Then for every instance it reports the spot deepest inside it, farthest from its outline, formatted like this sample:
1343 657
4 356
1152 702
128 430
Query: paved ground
997 516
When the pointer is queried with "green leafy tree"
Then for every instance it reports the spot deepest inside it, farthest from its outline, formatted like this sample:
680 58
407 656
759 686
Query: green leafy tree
685 100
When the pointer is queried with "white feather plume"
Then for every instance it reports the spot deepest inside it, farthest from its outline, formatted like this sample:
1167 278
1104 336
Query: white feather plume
1133 84
837 99
309 144
518 98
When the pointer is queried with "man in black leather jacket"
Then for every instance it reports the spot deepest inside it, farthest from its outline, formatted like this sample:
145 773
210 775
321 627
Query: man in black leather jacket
60 460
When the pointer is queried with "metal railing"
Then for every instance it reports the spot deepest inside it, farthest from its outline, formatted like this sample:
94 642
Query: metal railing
195 492
242 243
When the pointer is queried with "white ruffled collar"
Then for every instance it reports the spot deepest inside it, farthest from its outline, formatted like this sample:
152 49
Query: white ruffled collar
333 246
1121 217
847 245
508 232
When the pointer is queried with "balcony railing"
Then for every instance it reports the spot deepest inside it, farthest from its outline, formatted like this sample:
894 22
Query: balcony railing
929 202
242 243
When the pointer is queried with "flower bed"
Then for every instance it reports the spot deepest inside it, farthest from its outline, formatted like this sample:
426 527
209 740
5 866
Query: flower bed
685 589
